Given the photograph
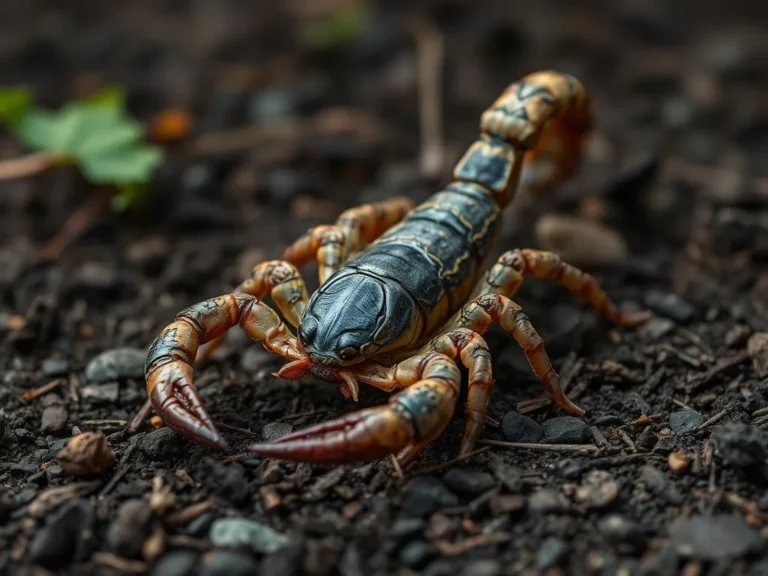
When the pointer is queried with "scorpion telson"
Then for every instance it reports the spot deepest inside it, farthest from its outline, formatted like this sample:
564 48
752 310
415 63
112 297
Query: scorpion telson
404 295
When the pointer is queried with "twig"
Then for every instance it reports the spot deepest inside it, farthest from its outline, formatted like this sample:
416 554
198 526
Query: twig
45 388
449 463
598 436
464 546
429 49
696 341
141 415
105 423
235 429
681 404
396 466
113 481
74 383
722 366
543 447
717 417
190 513
626 439
28 165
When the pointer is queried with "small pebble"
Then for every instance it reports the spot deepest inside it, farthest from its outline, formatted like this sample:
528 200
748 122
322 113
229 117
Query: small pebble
484 567
226 481
54 419
619 531
416 554
116 364
127 532
608 420
101 393
552 552
507 504
679 460
176 563
517 427
714 538
757 348
566 430
405 529
742 445
162 444
655 328
234 532
511 477
547 501
670 305
227 563
598 490
86 454
426 494
468 483
53 367
658 483
275 430
63 537
684 421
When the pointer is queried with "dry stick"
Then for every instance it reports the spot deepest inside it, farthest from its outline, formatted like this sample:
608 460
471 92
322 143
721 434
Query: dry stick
396 466
543 447
142 414
438 467
28 165
717 417
626 439
429 52
682 405
32 394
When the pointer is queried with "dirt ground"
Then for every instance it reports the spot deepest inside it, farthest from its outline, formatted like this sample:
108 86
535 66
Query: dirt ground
671 470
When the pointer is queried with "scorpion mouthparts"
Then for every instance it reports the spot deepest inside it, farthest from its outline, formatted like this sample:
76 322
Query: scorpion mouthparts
293 370
349 386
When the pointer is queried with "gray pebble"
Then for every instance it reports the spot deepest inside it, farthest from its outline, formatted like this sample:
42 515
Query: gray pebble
714 538
54 419
176 563
116 364
235 532
53 367
162 444
552 552
468 483
566 430
426 494
684 421
275 430
517 427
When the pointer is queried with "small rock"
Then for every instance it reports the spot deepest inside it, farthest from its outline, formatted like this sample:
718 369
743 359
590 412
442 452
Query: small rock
547 501
658 483
670 305
608 420
714 538
510 477
579 241
176 563
275 430
227 563
162 444
54 419
416 554
127 532
655 328
757 347
684 421
566 430
426 494
65 536
405 529
101 393
486 567
517 427
116 364
742 445
86 454
507 504
636 405
619 531
468 483
598 490
737 335
552 552
236 532
569 469
665 445
53 367
679 460
227 482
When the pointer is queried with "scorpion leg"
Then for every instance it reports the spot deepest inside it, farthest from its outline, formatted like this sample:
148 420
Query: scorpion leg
286 286
477 316
508 274
413 418
332 245
168 368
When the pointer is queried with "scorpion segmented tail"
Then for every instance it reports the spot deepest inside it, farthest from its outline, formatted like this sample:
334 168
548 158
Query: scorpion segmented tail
538 127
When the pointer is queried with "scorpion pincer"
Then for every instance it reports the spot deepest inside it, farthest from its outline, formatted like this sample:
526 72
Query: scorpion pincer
404 296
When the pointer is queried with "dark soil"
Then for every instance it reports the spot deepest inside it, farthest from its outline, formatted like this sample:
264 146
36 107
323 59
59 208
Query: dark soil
677 167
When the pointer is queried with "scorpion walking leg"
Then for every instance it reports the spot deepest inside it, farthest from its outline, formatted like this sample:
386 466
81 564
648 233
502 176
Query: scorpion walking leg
286 286
508 274
332 245
413 418
168 368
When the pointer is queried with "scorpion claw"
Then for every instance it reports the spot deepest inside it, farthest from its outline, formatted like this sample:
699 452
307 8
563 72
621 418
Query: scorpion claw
361 436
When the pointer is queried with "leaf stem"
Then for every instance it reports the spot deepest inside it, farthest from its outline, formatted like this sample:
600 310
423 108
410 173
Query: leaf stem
28 165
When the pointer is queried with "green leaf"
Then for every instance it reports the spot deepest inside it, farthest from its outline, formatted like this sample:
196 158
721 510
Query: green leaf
130 196
98 135
346 23
14 102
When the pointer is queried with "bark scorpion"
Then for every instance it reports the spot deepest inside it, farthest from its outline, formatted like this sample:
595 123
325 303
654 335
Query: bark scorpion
403 296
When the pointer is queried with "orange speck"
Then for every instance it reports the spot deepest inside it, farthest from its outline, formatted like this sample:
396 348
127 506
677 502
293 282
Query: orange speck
170 125
16 322
156 421
86 330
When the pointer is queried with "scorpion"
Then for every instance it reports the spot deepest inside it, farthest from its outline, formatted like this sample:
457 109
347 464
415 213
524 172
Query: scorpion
404 297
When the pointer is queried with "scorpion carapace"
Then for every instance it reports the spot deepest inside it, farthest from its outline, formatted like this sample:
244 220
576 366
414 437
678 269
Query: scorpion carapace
403 296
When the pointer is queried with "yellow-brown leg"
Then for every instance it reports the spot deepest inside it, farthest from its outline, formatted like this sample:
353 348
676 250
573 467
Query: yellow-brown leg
168 368
354 229
283 281
412 419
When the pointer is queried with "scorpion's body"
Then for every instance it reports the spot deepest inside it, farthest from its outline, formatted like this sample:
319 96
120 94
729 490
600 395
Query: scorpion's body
403 296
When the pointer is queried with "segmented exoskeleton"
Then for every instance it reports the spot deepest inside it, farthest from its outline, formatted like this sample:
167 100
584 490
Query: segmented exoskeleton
403 296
